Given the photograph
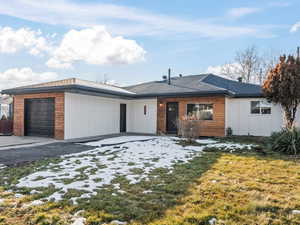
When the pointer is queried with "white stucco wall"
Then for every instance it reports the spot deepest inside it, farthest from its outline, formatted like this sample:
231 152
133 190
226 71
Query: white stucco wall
87 116
141 123
239 118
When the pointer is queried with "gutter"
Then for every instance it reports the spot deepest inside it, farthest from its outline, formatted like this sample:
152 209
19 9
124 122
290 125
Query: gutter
80 89
64 88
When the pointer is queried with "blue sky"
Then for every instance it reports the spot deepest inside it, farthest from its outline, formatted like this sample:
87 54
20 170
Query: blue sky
188 36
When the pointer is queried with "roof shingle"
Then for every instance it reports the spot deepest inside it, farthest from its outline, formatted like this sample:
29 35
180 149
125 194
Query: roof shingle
204 83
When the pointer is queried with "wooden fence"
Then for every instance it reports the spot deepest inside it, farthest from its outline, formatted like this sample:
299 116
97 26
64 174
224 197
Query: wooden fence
6 126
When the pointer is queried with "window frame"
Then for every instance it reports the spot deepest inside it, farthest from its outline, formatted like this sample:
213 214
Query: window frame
261 102
193 103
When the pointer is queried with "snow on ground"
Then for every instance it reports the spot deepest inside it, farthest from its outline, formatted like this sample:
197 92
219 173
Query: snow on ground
206 141
2 166
231 146
91 170
120 140
103 164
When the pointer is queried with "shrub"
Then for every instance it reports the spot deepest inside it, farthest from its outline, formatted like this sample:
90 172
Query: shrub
286 141
3 117
189 127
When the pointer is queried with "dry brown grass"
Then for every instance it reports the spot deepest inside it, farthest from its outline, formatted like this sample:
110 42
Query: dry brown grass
241 190
234 189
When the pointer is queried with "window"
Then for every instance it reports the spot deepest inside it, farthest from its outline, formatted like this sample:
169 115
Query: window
255 107
200 111
260 107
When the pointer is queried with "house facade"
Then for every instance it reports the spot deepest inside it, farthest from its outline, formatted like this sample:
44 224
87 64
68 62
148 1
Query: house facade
74 108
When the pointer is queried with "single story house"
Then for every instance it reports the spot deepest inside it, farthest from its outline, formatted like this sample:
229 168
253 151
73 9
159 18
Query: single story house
75 108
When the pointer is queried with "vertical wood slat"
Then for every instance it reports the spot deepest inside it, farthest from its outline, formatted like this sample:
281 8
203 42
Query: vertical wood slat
18 122
215 127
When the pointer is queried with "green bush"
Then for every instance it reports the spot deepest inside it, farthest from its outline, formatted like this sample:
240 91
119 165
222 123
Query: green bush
286 141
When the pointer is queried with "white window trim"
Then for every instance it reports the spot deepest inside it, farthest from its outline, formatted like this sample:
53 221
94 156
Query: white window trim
259 114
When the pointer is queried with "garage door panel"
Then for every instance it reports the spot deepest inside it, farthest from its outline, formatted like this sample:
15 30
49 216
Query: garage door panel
39 117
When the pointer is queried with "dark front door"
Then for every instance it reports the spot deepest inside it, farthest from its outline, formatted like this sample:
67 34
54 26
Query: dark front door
39 117
172 116
122 117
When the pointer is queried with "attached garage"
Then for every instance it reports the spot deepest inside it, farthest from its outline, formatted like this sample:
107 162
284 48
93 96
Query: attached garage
39 117
73 108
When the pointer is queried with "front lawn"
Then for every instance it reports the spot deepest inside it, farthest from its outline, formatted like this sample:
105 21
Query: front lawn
160 180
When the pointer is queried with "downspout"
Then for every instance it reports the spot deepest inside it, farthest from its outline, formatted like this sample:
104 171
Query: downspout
169 76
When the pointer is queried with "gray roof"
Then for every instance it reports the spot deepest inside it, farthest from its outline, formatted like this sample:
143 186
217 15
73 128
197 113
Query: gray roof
204 84
193 85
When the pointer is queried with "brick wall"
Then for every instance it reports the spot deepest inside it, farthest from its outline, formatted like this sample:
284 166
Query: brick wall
215 127
59 112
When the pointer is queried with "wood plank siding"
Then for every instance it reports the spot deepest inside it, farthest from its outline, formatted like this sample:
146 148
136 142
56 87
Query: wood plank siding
215 127
19 103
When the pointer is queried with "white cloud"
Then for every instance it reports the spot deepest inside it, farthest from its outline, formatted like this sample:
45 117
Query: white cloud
58 64
228 70
240 12
295 27
121 20
95 46
12 40
16 77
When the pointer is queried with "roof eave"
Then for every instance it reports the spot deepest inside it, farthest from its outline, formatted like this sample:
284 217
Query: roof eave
184 94
66 88
252 95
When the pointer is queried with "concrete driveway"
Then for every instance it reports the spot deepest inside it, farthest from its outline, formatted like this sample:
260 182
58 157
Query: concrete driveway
22 155
15 142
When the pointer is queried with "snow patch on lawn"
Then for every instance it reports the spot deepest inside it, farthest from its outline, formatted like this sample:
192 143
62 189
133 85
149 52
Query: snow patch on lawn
231 146
206 141
91 170
120 140
33 203
134 160
2 166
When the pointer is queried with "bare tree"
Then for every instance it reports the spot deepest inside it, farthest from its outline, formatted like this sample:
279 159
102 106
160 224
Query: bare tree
269 60
230 70
249 62
251 65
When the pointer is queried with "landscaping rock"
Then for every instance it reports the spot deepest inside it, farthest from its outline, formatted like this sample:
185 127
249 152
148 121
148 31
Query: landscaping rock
33 203
296 212
212 221
117 222
79 221
18 195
